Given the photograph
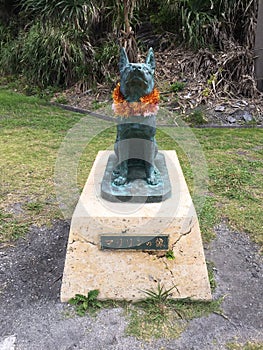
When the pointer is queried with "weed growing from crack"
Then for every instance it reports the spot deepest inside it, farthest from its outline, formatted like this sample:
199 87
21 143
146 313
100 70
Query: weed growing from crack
170 255
158 301
157 316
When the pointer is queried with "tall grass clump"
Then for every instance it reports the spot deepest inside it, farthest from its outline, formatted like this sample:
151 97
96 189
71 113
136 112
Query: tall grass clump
208 23
49 55
57 56
78 13
51 45
5 36
10 51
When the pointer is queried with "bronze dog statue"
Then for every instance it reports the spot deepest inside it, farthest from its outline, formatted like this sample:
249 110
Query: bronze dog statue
136 104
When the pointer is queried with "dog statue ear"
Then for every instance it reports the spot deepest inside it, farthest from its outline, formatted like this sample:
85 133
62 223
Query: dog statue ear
150 60
123 59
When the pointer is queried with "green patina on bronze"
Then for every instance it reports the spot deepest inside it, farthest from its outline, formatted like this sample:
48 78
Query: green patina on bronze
137 173
136 81
134 242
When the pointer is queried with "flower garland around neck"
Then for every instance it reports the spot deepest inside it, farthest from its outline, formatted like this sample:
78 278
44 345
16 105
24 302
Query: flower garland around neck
147 106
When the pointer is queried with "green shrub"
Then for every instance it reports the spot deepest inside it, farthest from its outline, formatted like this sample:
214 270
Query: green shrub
10 56
107 57
177 86
55 55
49 56
197 117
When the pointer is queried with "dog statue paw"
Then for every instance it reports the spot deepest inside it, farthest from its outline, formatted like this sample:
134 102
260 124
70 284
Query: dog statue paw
152 176
120 180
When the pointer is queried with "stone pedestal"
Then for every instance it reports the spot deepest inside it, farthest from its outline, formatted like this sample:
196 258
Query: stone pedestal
124 274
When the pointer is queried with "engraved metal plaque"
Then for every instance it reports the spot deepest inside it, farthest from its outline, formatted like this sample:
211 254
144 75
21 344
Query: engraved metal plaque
134 242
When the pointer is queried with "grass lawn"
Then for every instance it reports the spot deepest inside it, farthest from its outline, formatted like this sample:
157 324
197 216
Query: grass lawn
31 135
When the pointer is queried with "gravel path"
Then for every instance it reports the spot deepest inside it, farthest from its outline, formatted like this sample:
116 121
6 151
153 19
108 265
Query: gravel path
33 318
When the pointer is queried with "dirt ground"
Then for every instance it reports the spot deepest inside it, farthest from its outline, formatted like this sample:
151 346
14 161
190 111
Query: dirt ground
32 316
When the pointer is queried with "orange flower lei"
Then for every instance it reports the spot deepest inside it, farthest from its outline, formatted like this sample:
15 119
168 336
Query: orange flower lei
147 106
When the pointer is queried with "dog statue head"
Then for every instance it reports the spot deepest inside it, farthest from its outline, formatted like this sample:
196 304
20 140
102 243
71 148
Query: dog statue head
137 79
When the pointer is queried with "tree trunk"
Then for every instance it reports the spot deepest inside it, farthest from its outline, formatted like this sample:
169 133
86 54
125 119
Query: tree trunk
259 47
128 39
126 10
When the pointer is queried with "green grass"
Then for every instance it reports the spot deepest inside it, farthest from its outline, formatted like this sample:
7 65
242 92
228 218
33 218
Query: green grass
10 227
247 346
158 316
32 132
148 319
30 135
235 171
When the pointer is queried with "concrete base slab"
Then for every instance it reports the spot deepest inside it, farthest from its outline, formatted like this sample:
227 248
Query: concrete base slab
123 275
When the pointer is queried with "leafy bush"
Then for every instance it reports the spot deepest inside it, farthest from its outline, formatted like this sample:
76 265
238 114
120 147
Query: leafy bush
48 55
55 55
196 118
177 86
10 51
107 57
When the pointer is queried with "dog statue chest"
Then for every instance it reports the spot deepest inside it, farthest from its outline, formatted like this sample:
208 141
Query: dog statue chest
135 130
